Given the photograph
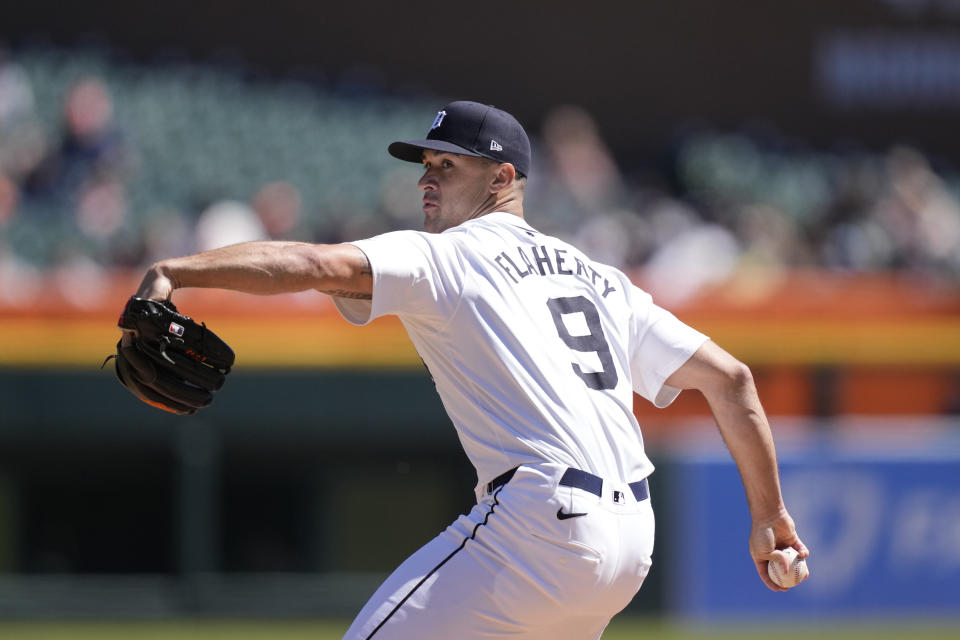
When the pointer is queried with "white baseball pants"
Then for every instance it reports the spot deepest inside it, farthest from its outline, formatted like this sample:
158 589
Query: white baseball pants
533 560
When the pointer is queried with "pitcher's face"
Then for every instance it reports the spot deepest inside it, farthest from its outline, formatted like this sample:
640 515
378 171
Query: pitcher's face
455 188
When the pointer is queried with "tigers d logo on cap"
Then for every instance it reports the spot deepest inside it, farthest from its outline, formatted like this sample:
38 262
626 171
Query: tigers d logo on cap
471 129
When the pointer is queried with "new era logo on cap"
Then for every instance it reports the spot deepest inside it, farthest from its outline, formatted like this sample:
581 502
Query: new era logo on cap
471 129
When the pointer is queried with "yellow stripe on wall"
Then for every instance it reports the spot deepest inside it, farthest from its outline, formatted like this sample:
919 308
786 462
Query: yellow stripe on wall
294 342
917 342
328 341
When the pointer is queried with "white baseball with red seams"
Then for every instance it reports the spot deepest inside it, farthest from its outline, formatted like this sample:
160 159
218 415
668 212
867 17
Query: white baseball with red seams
795 574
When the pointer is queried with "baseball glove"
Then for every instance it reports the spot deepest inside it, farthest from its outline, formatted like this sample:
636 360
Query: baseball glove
169 361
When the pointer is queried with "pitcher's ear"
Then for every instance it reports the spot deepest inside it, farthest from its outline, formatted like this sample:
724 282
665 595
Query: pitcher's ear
504 176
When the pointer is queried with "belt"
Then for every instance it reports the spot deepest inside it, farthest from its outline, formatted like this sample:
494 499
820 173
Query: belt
579 480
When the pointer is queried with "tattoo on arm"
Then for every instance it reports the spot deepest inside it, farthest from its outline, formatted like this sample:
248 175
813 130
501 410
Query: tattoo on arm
343 293
365 270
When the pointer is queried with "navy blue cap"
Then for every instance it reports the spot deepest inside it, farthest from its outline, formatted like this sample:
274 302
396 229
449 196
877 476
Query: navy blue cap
471 129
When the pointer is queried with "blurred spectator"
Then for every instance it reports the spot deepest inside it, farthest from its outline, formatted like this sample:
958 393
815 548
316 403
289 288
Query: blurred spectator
22 149
8 199
16 93
166 233
919 214
80 184
578 192
274 213
603 238
22 142
575 175
279 207
580 158
92 148
771 239
19 281
400 200
702 255
79 279
101 209
227 222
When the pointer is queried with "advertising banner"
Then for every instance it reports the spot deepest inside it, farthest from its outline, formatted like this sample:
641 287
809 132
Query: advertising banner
880 515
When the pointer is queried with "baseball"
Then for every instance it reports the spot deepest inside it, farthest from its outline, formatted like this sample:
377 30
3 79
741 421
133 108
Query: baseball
796 573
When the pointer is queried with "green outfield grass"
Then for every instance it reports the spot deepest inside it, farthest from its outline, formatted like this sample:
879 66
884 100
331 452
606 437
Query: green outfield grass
622 629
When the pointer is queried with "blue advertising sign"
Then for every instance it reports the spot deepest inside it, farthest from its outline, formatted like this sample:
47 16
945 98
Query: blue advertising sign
882 525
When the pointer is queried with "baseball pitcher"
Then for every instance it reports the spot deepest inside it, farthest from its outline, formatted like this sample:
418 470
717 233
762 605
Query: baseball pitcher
536 351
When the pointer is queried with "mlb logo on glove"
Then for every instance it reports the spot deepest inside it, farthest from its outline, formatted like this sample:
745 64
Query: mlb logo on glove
179 376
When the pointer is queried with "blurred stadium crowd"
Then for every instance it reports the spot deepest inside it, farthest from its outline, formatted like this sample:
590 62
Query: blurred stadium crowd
106 163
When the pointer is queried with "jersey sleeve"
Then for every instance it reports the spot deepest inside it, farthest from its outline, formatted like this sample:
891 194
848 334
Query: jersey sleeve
415 274
660 345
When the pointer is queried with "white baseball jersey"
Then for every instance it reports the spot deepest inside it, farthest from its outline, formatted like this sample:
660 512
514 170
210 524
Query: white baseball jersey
535 349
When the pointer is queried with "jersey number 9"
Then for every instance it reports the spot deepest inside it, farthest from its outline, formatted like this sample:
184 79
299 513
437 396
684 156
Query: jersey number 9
595 341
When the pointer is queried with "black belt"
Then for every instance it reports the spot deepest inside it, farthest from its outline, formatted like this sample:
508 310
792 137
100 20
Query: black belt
577 479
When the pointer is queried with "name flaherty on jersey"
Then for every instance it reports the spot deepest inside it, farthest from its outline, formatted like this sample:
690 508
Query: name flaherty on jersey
539 260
